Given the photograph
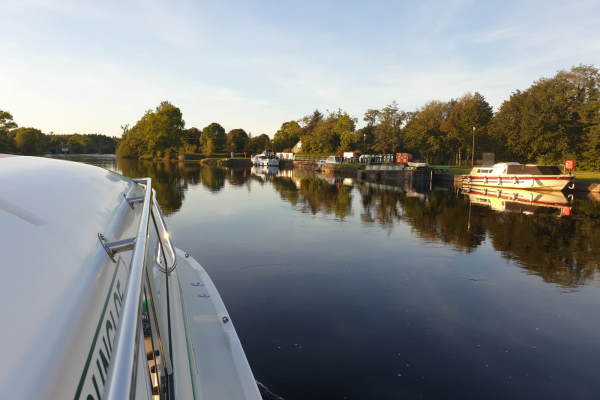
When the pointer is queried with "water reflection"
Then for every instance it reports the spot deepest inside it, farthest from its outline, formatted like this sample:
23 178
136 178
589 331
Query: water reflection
267 173
519 201
437 216
523 226
170 180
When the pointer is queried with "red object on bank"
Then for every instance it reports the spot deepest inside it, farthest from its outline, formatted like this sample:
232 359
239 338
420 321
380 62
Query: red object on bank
565 211
570 165
403 158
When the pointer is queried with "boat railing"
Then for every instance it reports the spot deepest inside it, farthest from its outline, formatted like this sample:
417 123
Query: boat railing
121 382
166 236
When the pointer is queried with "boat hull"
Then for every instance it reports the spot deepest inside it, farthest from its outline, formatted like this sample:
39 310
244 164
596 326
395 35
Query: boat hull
532 182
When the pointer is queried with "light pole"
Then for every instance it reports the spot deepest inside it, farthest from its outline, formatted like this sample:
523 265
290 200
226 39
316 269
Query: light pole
473 150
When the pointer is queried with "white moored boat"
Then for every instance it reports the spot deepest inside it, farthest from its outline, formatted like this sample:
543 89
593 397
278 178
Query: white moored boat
95 301
265 159
519 176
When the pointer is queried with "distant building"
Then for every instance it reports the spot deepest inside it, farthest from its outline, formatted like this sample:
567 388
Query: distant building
298 147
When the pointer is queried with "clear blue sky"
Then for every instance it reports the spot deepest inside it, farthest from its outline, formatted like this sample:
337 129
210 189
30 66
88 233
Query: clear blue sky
91 66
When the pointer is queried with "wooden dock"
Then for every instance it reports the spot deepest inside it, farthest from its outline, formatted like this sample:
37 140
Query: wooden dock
421 176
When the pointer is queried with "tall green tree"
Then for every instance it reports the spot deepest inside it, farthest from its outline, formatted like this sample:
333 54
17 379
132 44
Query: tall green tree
258 144
157 134
29 140
236 140
191 139
367 133
344 127
424 134
469 115
6 124
287 136
554 119
324 135
213 136
387 133
78 143
166 129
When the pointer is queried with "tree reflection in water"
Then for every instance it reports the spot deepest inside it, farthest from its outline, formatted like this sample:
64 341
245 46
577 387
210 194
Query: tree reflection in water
312 194
561 250
169 180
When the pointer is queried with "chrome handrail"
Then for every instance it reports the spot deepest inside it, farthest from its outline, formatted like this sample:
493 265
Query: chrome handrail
121 378
166 236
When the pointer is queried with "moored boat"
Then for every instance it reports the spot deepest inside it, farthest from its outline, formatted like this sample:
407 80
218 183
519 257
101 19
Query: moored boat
265 159
519 176
96 302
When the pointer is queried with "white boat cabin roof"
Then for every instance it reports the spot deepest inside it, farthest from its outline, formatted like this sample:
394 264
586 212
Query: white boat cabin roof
51 212
515 168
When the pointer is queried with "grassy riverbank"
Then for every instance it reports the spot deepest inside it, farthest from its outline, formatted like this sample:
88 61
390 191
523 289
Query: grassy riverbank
588 176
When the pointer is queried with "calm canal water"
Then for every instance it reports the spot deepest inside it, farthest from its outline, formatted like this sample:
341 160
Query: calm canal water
341 290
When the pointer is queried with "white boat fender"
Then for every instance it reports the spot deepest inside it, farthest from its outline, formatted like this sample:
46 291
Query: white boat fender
571 185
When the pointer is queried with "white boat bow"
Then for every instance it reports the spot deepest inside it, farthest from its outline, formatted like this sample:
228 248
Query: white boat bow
96 303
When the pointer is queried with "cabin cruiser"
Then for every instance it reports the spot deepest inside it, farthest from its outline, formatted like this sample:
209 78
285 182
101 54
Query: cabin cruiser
519 176
518 200
96 302
266 159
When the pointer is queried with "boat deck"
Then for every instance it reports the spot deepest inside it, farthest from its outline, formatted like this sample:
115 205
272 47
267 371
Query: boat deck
218 365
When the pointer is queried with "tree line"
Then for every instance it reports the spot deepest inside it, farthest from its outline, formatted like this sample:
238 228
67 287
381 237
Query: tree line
22 140
554 119
161 133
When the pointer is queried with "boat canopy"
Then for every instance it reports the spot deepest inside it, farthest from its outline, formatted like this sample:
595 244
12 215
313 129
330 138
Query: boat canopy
530 169
515 168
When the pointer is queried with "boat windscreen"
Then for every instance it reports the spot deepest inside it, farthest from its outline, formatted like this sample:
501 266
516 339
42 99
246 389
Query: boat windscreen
533 169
